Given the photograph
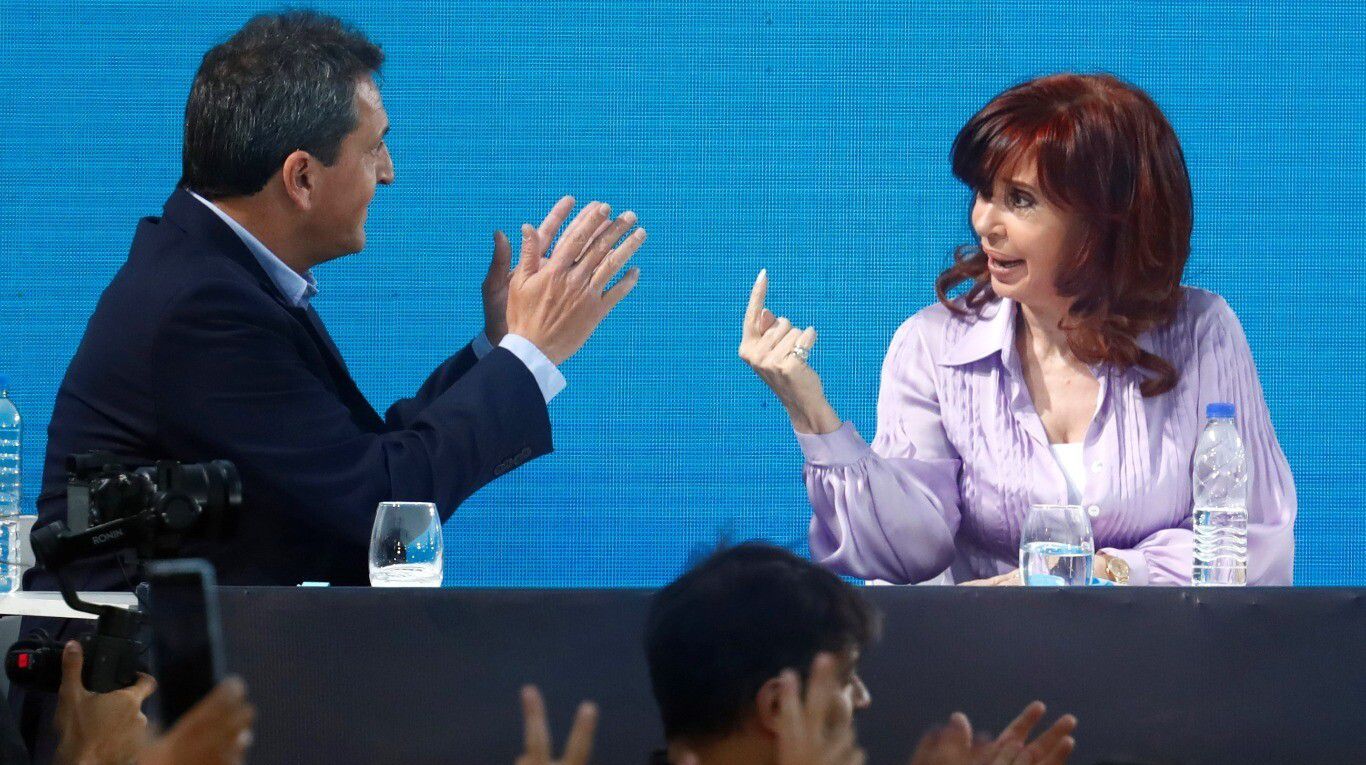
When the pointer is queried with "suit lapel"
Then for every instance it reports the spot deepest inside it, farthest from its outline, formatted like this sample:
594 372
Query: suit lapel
196 219
361 411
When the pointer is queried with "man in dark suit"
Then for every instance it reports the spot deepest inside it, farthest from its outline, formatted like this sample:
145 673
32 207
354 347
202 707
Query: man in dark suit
205 345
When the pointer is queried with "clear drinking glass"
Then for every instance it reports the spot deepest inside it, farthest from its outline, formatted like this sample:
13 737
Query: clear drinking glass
1056 546
405 545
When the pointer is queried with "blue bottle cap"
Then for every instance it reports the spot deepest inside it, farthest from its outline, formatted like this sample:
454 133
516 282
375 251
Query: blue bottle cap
4 383
1219 411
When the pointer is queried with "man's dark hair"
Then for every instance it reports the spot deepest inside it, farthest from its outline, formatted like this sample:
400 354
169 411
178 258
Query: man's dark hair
719 632
282 83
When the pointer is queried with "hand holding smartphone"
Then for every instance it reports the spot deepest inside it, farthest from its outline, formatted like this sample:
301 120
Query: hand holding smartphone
187 643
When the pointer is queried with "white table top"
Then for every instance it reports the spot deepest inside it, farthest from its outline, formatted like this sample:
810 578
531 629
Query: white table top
51 603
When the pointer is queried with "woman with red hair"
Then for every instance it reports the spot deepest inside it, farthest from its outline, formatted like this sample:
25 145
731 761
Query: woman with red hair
1074 369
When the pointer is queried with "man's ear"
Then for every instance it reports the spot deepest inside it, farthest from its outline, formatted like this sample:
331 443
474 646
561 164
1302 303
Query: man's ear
767 706
299 178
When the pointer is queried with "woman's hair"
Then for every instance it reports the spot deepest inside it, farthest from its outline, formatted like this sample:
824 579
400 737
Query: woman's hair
1105 153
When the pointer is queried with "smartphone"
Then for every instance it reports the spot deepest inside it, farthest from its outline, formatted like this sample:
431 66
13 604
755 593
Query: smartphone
187 642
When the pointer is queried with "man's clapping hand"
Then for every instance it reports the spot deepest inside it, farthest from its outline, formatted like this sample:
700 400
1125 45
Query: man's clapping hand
953 744
499 276
807 734
558 302
537 746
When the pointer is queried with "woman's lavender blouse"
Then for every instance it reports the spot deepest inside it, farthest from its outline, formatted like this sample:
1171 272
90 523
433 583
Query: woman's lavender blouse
961 453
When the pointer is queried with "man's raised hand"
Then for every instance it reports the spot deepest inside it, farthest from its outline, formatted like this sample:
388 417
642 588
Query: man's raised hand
499 276
558 302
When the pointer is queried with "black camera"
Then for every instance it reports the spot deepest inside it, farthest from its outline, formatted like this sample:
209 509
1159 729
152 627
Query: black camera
114 505
158 506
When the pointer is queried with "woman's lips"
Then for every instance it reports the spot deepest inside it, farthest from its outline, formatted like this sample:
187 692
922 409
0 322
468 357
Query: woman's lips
1000 261
1004 270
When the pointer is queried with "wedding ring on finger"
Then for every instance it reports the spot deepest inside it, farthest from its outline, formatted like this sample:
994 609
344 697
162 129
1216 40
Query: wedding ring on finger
800 352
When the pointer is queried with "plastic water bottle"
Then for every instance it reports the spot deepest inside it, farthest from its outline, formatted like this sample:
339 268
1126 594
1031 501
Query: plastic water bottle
10 477
1219 483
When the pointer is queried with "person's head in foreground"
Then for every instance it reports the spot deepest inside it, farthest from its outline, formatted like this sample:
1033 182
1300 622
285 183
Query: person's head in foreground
1082 212
753 658
731 642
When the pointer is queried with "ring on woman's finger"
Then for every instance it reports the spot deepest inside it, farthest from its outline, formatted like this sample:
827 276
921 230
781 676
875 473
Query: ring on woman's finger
800 352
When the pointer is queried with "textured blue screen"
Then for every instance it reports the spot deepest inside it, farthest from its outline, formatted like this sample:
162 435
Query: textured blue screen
808 138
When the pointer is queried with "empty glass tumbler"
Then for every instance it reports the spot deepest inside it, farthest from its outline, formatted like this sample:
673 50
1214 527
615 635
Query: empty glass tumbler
405 545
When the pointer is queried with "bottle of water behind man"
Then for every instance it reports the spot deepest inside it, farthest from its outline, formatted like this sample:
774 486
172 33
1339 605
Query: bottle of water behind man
1219 483
10 477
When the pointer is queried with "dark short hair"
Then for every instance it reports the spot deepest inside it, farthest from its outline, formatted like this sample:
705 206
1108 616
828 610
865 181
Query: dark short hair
282 83
719 632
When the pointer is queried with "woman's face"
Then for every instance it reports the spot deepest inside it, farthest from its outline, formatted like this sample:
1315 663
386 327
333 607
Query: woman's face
1025 237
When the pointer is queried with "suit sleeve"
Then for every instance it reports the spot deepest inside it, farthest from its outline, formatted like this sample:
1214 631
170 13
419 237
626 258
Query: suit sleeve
232 382
405 411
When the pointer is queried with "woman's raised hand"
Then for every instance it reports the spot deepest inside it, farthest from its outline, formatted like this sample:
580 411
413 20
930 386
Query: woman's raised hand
777 351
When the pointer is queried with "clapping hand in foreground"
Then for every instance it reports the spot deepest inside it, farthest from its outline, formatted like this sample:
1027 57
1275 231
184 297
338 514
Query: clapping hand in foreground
953 744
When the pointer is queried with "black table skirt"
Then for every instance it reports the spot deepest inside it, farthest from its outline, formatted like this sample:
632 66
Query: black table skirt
1275 675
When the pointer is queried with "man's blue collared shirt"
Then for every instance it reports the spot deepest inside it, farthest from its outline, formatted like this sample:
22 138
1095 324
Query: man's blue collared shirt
298 290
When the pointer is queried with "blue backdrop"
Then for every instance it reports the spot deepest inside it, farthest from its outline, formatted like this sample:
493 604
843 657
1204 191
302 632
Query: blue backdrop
810 138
